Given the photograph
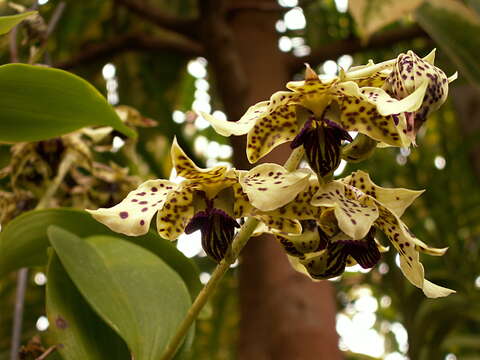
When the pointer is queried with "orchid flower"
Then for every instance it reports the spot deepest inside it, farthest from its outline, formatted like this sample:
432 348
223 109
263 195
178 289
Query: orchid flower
342 231
367 109
411 72
358 205
203 201
175 204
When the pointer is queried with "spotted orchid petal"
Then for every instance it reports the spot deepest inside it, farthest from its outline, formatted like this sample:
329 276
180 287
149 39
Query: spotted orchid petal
270 186
285 219
355 215
275 126
299 208
408 247
268 124
211 181
133 215
186 168
177 211
313 93
396 200
280 224
358 111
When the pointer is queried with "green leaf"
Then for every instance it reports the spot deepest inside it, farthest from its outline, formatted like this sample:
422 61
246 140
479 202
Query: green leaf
372 15
452 25
134 291
73 323
24 242
8 22
39 103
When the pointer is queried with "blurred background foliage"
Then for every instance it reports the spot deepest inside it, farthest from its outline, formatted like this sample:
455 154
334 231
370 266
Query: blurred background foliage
380 316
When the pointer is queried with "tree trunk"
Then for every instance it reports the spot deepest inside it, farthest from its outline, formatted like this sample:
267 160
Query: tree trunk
284 315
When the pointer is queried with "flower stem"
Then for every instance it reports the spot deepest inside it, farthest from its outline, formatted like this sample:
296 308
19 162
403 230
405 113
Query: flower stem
232 254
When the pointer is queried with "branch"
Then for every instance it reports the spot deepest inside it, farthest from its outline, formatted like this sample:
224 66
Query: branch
154 15
133 42
352 46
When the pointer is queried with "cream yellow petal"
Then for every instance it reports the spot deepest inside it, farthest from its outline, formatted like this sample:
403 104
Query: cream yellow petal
281 224
133 215
240 127
396 199
186 168
430 58
270 186
175 213
355 216
386 105
273 127
403 241
358 112
300 207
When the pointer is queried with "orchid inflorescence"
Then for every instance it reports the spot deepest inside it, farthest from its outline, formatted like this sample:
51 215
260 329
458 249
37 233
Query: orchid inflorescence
323 224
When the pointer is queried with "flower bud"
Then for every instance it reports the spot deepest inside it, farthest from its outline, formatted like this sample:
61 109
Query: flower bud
408 74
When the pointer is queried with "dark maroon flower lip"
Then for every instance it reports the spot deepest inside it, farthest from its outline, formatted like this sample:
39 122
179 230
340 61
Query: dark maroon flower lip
217 229
322 142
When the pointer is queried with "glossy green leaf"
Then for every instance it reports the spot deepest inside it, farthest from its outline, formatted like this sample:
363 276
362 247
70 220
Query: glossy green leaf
454 27
8 22
24 242
39 103
83 335
133 290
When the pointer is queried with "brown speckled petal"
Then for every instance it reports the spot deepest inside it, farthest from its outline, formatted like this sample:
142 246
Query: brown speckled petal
176 212
270 186
408 247
355 213
133 215
396 200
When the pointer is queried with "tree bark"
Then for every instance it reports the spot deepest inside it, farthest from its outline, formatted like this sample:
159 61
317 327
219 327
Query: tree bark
284 315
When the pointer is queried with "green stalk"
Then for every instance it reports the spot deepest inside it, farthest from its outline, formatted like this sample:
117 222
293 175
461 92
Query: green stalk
232 254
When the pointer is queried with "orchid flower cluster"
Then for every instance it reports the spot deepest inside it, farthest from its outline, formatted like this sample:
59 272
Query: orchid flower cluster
324 225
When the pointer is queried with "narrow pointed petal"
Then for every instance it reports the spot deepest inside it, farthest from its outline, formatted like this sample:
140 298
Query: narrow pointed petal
386 105
403 241
186 168
355 216
270 186
396 200
133 215
240 127
276 125
430 58
176 213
